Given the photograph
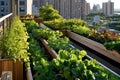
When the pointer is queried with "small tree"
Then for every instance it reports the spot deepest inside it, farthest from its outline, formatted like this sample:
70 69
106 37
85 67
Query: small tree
97 25
48 13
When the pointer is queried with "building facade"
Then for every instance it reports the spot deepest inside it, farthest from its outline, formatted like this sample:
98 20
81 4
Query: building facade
108 8
4 7
87 8
15 6
67 8
25 6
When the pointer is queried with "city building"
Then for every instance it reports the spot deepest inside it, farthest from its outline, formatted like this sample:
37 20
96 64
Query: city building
67 8
87 8
108 8
96 7
25 6
15 6
35 10
4 7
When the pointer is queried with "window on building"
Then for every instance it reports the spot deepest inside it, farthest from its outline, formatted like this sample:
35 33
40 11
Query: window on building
6 3
22 3
7 9
2 9
22 9
2 3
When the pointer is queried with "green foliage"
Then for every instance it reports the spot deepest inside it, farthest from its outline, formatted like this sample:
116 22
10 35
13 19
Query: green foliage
82 30
76 25
70 63
34 49
91 15
48 13
113 18
65 24
31 25
58 43
104 36
113 45
46 33
115 25
15 43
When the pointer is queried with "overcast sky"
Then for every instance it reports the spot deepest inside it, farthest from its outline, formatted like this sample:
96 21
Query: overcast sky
116 3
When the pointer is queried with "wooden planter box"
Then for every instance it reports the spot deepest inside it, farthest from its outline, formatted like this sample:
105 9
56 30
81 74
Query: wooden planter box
43 26
50 50
15 69
38 20
94 45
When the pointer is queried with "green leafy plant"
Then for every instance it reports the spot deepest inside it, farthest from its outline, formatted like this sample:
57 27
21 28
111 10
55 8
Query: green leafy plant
31 25
15 43
82 30
46 33
67 24
48 13
113 45
70 63
58 43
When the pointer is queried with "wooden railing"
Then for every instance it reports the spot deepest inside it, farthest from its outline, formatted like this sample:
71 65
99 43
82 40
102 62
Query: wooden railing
5 22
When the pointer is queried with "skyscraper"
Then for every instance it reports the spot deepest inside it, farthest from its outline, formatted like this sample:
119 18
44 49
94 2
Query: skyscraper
87 8
108 8
67 8
96 7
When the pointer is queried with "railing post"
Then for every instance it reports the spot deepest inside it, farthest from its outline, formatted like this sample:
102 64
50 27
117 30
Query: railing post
4 23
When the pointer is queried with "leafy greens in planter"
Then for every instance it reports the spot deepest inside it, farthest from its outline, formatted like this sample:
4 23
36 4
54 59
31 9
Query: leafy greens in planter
70 63
15 43
113 45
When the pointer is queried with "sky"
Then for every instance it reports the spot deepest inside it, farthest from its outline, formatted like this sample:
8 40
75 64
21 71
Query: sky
116 3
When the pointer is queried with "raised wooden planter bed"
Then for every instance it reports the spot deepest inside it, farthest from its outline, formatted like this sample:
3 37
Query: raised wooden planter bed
43 26
14 68
50 50
94 45
38 20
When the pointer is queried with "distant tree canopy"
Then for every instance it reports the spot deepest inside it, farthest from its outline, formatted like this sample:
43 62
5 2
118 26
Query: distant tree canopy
114 18
114 25
47 13
91 15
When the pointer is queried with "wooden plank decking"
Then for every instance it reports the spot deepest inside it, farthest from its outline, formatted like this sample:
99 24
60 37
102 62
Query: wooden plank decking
95 46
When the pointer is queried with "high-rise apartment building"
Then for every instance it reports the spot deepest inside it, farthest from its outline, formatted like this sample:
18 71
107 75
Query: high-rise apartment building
67 8
96 7
64 8
108 8
87 8
15 6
